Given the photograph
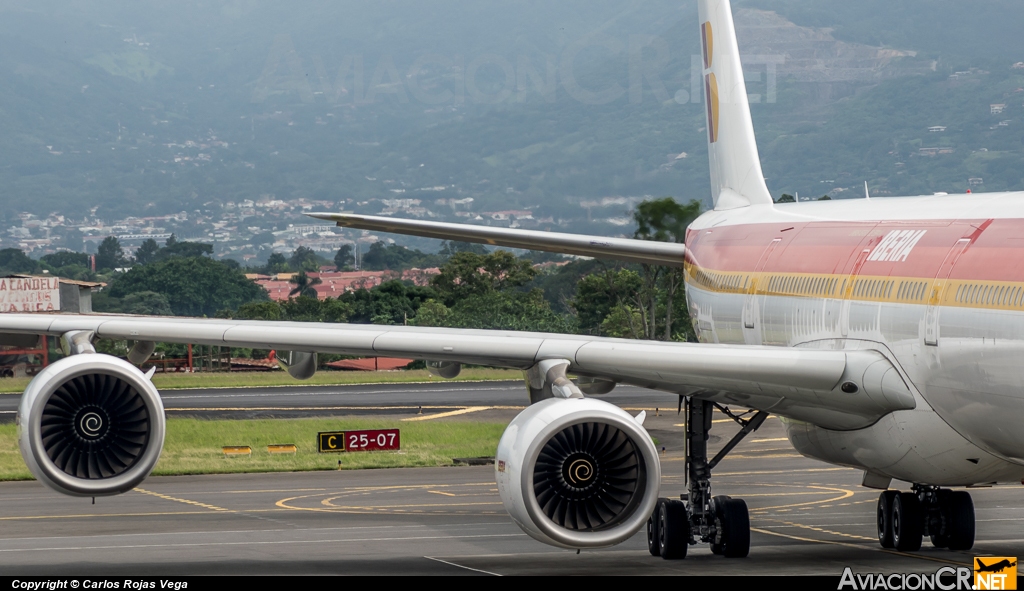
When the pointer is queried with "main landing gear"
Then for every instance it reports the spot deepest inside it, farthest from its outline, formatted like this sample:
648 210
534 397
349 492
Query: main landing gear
721 521
946 516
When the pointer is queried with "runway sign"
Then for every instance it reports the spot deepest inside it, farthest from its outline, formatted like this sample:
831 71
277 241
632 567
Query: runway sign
365 440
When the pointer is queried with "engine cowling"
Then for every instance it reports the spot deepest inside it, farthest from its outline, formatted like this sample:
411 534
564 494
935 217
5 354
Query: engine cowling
91 425
577 473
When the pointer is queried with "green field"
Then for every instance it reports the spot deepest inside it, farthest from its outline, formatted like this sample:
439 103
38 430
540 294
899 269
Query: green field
193 446
179 381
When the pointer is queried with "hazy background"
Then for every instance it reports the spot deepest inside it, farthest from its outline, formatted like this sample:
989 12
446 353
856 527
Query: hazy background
148 108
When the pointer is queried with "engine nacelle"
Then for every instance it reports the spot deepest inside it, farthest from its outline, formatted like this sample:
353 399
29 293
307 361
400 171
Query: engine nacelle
91 425
577 473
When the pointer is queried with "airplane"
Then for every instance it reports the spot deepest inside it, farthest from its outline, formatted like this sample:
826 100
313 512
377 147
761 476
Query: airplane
884 333
995 567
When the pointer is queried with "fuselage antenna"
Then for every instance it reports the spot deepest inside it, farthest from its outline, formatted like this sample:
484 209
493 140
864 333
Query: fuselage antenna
866 194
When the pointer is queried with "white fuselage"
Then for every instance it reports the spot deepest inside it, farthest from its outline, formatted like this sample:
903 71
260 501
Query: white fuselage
933 283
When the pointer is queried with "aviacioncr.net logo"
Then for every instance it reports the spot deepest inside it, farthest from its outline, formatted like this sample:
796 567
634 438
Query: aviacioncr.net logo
946 578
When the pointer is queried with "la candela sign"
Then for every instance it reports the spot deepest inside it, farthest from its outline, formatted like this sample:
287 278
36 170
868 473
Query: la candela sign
29 294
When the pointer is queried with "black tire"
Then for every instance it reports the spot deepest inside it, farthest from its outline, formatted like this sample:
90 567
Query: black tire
961 521
907 523
941 539
673 530
735 529
719 546
653 535
883 518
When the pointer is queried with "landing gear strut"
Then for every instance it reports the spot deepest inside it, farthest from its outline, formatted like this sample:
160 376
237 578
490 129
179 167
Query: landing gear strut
946 516
720 521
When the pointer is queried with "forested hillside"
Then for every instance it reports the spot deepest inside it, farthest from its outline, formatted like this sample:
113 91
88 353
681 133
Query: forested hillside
151 108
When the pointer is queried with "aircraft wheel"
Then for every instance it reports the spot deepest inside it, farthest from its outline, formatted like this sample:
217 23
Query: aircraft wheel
961 521
719 546
673 530
653 531
884 517
907 522
735 529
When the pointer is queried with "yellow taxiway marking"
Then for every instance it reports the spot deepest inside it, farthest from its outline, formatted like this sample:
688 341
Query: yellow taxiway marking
176 499
825 531
742 457
309 408
845 494
88 515
768 440
328 503
267 542
452 413
281 490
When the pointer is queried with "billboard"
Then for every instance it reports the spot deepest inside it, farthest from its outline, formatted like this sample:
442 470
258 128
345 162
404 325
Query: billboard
29 294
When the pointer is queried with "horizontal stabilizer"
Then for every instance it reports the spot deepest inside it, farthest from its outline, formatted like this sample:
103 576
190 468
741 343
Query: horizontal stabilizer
623 249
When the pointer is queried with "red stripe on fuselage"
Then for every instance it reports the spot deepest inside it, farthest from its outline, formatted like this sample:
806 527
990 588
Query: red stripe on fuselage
994 253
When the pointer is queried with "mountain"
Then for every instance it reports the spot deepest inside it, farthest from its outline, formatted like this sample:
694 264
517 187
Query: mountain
572 109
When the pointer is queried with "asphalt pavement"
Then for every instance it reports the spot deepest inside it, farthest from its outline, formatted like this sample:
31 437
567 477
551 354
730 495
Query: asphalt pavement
807 518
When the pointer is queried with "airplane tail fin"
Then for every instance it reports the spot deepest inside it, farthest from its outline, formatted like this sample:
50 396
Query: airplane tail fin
736 177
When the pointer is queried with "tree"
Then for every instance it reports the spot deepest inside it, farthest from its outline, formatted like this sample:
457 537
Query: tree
109 254
343 258
259 311
12 260
786 198
825 198
498 310
146 303
64 259
391 302
304 285
277 263
467 274
146 253
181 248
304 259
451 247
195 286
171 240
598 294
663 220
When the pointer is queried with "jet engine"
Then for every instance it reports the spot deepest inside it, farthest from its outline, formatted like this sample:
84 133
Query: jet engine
91 425
577 473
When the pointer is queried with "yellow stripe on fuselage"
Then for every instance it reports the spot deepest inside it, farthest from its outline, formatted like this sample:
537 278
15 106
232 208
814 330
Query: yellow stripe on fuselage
961 293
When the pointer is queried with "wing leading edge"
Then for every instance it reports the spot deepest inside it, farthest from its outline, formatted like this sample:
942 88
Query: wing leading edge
832 389
623 249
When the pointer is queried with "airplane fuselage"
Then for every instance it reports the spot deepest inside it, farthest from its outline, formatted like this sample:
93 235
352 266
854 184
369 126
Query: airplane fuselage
934 283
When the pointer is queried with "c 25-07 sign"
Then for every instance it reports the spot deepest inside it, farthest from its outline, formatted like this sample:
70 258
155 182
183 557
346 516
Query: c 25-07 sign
363 440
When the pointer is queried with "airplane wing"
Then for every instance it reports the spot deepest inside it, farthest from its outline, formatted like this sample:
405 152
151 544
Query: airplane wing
833 389
622 249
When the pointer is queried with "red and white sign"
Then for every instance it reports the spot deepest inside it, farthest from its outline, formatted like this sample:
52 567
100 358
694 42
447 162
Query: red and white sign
29 294
373 440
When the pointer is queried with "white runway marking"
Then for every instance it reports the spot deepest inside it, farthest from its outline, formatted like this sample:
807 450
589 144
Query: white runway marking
476 570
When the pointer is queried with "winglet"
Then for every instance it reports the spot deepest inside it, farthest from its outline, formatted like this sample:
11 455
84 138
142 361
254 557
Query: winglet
736 177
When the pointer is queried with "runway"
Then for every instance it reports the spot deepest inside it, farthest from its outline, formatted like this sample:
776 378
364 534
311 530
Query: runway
808 518
367 399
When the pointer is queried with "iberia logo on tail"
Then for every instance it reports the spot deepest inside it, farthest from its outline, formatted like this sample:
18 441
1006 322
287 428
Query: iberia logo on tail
995 572
710 83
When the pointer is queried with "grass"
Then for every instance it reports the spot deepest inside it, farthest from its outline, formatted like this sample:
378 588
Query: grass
193 446
184 381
